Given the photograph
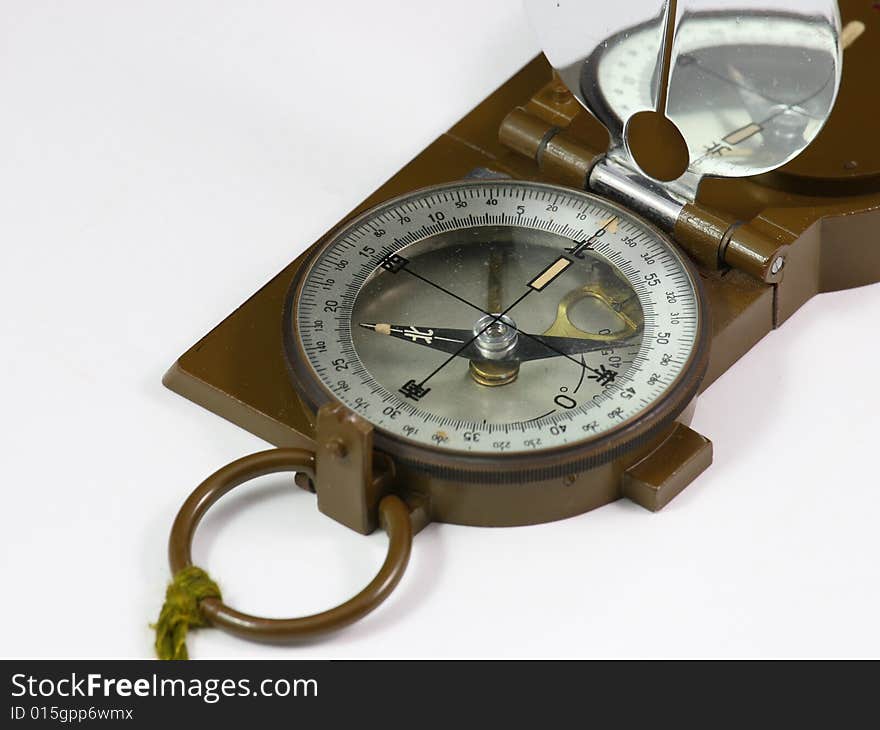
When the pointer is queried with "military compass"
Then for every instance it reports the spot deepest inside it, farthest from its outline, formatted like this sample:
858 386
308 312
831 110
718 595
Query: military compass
515 328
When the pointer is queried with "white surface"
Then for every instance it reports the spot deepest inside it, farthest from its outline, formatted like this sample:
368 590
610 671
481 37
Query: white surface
158 163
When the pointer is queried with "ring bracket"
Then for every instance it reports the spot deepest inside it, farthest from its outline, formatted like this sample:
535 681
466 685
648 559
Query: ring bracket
419 506
347 485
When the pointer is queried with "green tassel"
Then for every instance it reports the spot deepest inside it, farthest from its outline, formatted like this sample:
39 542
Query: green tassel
181 611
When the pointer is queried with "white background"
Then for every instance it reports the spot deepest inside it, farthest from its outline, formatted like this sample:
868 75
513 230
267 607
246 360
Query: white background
159 161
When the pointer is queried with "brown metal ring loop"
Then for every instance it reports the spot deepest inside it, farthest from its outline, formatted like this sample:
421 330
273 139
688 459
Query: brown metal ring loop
393 515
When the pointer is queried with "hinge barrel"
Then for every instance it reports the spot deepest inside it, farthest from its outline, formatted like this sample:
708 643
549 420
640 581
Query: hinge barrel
556 155
624 186
712 238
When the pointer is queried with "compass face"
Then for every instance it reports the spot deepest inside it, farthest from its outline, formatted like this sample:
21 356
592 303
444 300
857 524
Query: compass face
493 318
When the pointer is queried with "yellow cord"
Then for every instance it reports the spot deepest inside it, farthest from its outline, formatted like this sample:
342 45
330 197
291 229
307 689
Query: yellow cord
181 611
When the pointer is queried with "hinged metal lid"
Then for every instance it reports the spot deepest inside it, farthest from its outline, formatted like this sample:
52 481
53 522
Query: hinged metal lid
747 83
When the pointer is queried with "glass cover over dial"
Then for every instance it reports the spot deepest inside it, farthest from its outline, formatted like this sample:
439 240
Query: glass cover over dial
497 317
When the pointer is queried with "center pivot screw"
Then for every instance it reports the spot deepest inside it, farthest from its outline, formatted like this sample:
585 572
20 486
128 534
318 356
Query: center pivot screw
496 342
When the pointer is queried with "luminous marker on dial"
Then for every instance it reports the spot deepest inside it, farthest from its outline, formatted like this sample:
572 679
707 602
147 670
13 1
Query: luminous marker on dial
550 273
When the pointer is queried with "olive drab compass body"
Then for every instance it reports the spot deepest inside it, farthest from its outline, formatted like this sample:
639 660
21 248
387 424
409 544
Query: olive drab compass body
515 327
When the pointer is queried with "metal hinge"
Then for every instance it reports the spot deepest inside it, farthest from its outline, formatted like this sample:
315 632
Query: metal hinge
716 240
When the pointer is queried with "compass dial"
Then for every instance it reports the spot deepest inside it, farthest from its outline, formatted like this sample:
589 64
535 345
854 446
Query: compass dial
498 318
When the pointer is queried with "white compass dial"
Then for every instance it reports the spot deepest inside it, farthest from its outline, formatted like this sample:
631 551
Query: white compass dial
498 317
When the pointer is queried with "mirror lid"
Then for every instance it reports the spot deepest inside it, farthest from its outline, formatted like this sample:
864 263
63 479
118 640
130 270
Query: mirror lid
747 83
